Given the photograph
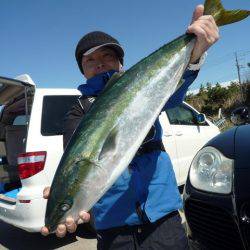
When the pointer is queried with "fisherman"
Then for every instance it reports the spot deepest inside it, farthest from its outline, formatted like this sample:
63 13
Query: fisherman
140 210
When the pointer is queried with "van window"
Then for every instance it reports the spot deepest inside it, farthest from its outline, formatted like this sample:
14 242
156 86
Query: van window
14 113
53 113
182 115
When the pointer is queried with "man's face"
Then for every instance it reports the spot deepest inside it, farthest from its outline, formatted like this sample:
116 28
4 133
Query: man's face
99 61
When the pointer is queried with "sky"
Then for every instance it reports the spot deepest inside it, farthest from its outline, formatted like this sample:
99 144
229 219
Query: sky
39 37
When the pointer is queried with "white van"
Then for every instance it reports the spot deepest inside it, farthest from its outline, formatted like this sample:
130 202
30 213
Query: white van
31 145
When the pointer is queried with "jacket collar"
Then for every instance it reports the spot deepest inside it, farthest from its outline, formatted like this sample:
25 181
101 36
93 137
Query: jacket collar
96 84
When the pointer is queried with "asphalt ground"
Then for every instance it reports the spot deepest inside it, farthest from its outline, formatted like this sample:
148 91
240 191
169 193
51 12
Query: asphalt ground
17 239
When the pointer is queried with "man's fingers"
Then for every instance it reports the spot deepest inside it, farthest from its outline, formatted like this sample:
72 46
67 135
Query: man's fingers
198 12
70 225
61 230
80 221
212 35
46 192
208 20
204 30
44 231
198 31
84 216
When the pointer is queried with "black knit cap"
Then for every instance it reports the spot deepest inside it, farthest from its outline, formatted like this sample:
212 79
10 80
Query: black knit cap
93 39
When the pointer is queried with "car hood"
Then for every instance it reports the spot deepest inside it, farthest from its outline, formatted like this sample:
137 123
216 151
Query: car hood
242 147
225 142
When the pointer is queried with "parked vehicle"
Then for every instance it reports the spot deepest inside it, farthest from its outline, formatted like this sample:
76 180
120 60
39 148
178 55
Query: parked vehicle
185 131
31 145
240 116
216 194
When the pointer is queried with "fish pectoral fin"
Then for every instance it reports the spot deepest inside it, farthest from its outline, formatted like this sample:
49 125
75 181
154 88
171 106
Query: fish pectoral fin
109 146
114 78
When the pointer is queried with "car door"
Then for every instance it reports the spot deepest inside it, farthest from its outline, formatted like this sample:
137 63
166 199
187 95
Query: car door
188 136
169 143
207 129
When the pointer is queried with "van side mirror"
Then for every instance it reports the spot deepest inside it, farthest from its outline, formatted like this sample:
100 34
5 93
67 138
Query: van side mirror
240 116
201 119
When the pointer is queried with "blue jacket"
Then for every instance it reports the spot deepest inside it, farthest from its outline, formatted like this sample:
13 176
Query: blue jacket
149 181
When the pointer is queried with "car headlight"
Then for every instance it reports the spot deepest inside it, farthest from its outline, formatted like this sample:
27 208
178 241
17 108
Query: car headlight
211 171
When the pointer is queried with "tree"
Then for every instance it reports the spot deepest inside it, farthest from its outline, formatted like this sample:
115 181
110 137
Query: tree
208 86
202 89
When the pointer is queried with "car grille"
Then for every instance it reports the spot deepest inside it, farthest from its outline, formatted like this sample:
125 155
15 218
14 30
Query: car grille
247 234
212 226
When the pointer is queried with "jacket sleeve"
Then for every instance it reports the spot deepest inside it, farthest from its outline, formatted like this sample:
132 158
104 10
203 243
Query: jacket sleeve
178 97
71 122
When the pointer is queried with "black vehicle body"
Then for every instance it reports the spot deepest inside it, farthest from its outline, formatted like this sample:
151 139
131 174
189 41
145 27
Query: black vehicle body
222 221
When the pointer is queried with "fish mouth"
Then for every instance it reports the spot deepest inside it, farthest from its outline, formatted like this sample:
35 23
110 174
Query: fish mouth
51 228
52 221
52 224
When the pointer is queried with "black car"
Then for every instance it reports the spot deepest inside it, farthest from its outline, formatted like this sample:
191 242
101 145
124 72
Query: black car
217 191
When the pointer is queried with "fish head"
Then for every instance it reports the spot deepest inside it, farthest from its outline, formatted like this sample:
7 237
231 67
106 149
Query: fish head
58 207
66 197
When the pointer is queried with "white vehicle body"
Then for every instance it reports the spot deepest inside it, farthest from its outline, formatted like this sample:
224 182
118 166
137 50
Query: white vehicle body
23 205
183 137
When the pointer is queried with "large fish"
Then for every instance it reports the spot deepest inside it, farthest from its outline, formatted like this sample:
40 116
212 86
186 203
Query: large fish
110 134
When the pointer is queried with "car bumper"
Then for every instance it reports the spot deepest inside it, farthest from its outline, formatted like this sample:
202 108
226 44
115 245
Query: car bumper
27 216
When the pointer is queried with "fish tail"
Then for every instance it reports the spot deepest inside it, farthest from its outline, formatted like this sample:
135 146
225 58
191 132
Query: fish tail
222 16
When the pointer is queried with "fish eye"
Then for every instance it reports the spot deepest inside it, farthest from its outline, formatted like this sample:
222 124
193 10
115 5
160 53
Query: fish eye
65 207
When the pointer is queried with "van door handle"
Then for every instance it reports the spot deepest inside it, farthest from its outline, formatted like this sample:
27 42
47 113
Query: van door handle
179 133
168 135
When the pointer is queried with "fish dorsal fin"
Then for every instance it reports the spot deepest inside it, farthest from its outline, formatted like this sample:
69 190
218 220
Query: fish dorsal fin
114 78
222 16
109 146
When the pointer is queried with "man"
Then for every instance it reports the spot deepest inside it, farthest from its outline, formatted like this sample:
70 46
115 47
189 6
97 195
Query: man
141 209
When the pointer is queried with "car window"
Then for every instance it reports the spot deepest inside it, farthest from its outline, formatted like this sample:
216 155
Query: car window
14 113
181 115
53 113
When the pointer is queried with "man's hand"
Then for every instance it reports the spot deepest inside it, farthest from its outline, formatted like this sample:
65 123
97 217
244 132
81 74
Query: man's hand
70 224
206 31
